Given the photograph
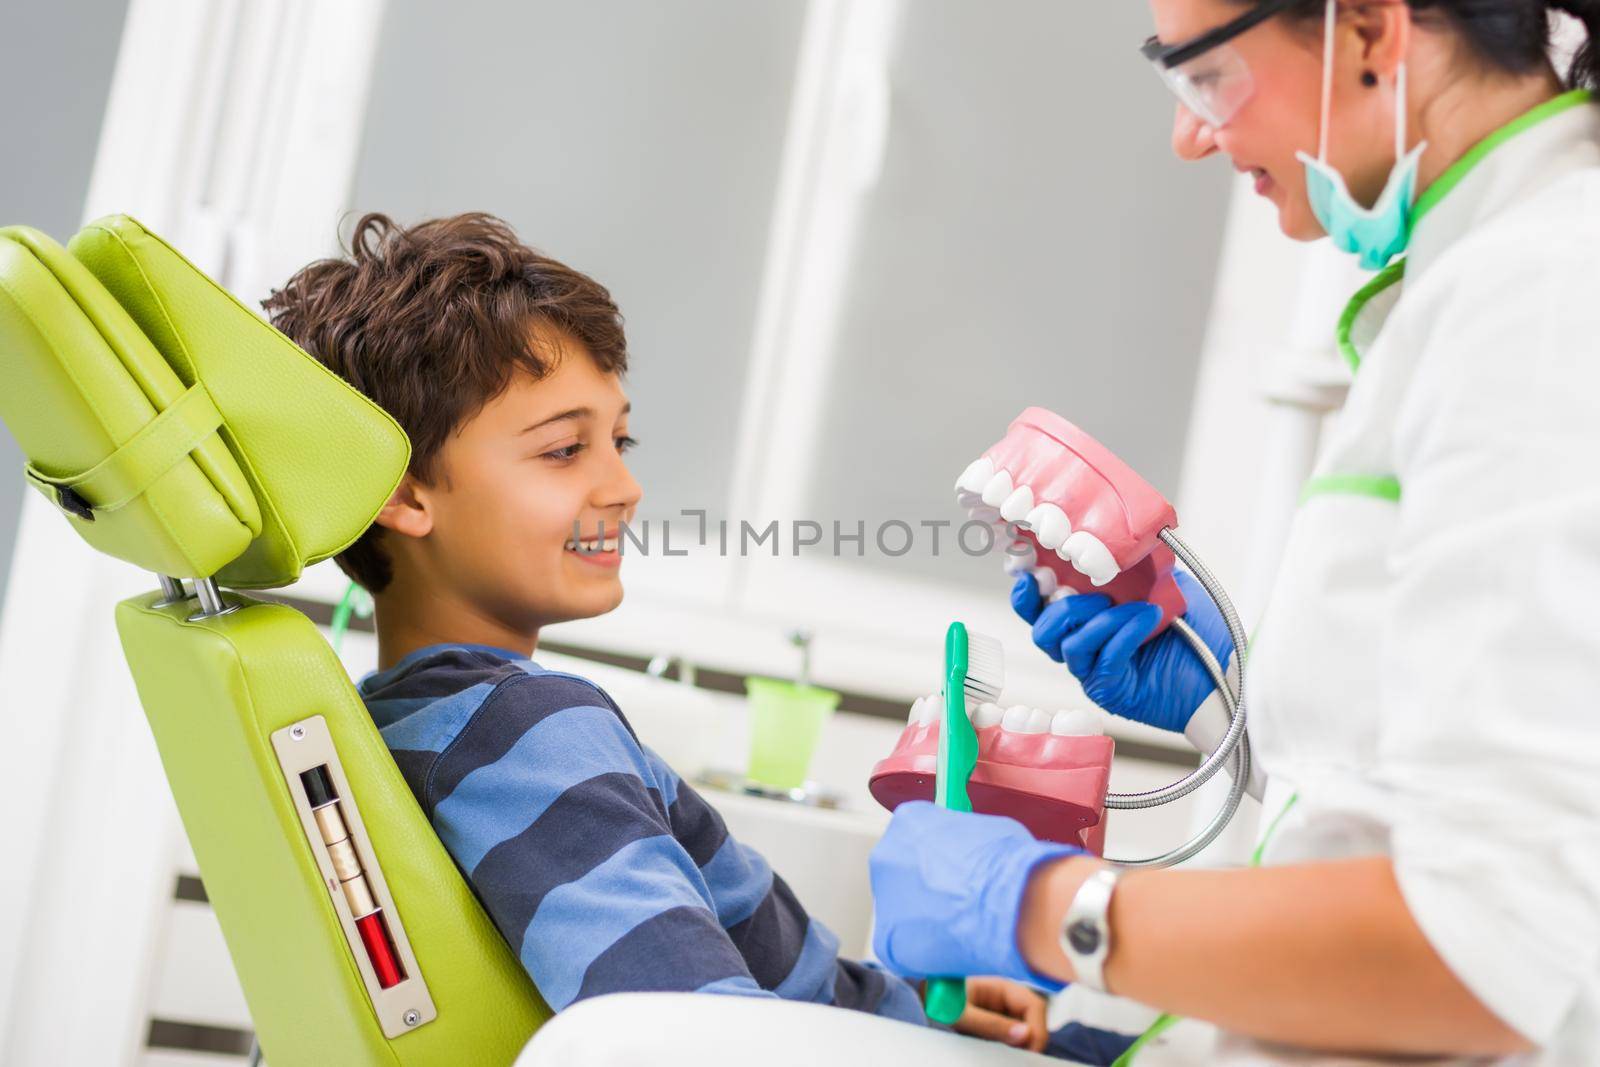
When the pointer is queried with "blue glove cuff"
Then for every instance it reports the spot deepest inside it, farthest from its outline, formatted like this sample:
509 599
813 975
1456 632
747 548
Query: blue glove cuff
1009 910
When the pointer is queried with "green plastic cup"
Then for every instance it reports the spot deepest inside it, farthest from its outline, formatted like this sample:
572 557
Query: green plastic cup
785 722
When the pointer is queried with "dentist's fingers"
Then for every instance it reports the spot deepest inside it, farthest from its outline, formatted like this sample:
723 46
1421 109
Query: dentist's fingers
1118 653
1082 650
1065 617
1025 598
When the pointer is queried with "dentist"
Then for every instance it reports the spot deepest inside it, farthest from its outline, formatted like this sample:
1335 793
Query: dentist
1426 678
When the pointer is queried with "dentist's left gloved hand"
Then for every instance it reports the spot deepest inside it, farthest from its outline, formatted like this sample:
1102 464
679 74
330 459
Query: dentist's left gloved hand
947 890
1159 682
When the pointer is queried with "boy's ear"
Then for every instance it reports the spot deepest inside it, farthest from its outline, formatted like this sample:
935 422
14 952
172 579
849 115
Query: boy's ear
408 510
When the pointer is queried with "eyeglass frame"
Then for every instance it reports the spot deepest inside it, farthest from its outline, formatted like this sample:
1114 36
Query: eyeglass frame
1175 55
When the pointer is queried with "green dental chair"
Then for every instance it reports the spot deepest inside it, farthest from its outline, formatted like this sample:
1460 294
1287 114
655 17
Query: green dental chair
174 429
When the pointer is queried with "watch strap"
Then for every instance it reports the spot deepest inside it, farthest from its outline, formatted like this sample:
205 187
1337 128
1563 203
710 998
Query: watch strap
1086 929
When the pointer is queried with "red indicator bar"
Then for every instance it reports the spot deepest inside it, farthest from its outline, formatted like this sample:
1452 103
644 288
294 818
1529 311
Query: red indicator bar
375 935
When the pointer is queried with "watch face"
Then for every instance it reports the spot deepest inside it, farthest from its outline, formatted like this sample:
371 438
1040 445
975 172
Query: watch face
1084 937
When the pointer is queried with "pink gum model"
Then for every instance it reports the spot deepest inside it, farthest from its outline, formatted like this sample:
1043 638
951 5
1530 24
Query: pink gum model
1106 520
1054 785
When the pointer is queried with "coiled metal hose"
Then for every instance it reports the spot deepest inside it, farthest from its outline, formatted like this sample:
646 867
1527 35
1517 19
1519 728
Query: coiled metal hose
1235 745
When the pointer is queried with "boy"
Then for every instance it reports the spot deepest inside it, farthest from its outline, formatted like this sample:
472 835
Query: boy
602 868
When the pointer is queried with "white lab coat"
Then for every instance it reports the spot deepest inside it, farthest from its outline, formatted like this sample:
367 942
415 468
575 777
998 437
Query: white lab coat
1425 681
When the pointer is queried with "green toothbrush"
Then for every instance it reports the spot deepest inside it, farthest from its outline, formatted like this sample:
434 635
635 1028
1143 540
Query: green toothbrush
974 672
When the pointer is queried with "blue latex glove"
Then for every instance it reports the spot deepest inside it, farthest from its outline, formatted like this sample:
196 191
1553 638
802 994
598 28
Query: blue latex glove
947 889
1162 683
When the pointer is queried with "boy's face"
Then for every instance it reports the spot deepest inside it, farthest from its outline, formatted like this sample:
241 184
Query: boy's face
494 532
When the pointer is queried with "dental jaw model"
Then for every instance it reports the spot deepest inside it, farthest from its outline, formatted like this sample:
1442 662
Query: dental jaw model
1047 770
1084 521
1081 521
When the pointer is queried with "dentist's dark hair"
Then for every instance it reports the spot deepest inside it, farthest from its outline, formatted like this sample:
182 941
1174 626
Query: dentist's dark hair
431 322
1507 35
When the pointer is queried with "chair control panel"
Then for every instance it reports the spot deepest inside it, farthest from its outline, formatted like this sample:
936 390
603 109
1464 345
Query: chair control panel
349 867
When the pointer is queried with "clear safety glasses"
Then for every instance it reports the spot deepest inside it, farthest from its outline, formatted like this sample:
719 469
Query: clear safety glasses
1206 74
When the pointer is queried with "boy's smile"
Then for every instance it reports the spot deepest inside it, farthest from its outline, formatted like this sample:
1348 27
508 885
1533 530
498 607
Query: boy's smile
489 552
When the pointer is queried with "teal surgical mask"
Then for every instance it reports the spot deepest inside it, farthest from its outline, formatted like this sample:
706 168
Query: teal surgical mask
1381 232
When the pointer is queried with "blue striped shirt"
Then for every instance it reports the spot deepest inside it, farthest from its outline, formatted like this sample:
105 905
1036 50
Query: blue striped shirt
603 869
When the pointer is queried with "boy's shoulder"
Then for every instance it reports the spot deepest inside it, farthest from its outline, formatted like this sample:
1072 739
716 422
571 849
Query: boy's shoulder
474 703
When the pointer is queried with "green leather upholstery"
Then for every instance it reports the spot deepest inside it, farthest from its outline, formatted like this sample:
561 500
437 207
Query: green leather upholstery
178 431
285 415
215 691
80 380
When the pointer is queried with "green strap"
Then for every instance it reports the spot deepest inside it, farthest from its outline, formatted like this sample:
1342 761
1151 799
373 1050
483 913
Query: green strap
139 462
1167 1022
1375 485
1266 838
1157 1028
1358 303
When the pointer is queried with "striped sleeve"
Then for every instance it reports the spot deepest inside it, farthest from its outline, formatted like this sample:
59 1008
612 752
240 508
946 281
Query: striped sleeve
787 951
549 804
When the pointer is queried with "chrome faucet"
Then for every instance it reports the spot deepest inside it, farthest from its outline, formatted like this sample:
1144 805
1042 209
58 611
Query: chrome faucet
662 662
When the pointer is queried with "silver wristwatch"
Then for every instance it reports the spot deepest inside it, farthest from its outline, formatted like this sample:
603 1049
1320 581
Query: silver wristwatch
1085 932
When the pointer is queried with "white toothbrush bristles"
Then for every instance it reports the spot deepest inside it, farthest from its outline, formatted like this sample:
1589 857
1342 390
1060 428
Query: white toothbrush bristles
986 669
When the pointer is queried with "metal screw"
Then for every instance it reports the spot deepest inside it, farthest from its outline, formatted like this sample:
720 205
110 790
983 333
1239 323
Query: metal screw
412 1017
297 732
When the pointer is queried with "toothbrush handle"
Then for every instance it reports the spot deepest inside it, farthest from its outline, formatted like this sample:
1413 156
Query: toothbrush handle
958 748
945 1000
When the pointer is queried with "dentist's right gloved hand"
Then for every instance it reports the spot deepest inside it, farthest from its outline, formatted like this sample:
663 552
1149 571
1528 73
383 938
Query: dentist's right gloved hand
947 890
1161 683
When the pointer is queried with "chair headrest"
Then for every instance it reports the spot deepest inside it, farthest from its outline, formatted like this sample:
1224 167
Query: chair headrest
174 427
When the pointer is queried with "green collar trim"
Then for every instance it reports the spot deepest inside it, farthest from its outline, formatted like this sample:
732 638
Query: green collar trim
1380 486
1435 193
1358 303
1451 178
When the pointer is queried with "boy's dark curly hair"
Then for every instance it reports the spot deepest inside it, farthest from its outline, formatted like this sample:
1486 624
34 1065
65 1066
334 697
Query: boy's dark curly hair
431 321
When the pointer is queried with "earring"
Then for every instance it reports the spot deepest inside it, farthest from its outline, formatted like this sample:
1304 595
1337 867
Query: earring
1369 79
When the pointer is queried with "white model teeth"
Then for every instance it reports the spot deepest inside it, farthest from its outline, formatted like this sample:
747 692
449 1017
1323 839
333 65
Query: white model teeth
999 487
1050 525
592 544
1020 558
928 710
1024 720
1015 507
976 477
1021 719
990 496
1090 555
1048 583
1080 722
